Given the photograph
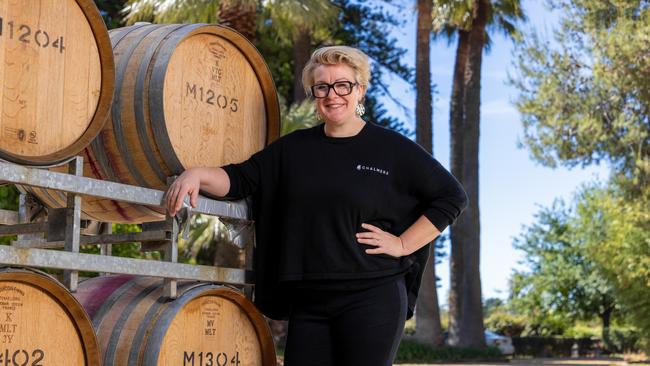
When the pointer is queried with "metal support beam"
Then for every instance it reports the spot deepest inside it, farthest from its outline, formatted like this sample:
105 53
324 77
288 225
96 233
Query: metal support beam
17 174
37 227
8 217
43 258
171 255
73 224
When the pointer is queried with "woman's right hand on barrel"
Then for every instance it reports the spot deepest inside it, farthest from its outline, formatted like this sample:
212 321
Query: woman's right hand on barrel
212 180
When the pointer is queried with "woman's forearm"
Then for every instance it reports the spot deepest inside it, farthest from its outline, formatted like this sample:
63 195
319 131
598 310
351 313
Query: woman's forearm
418 235
211 180
214 180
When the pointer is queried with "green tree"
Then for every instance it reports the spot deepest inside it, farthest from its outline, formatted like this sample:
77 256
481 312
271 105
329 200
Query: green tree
584 97
561 282
615 232
8 201
470 21
111 11
584 100
364 25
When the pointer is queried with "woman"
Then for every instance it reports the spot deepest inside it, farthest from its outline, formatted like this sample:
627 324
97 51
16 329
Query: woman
343 212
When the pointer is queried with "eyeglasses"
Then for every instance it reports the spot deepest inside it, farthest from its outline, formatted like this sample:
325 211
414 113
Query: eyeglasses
341 88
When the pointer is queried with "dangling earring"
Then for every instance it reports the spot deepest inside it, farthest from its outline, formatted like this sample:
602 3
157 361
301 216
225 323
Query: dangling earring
318 116
360 110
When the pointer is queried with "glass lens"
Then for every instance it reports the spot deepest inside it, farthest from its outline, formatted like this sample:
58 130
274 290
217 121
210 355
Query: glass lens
320 90
343 88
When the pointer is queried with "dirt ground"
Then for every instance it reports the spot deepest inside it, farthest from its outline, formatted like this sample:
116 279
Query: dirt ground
543 362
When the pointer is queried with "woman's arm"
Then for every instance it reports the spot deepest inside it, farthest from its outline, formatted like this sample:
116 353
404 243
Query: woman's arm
211 180
415 237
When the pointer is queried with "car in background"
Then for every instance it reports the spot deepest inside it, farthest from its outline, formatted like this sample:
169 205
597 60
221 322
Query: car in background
503 343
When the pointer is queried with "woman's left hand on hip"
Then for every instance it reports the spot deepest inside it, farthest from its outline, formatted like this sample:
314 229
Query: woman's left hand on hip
384 242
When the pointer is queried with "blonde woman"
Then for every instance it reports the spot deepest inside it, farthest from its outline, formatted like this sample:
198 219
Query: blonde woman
343 212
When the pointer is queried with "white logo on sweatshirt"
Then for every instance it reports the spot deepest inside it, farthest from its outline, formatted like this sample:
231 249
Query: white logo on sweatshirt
361 167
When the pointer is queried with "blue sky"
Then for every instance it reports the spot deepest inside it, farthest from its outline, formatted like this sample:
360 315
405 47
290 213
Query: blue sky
512 186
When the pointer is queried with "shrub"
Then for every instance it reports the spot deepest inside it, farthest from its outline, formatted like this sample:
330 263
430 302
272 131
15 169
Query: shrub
624 340
411 351
550 346
505 323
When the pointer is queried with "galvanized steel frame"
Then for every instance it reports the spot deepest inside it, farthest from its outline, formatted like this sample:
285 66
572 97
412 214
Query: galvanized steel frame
30 251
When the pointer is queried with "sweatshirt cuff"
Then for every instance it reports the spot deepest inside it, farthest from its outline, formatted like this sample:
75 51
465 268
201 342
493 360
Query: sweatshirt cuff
439 220
231 170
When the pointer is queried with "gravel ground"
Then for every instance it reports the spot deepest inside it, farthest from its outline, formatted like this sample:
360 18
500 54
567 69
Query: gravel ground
542 362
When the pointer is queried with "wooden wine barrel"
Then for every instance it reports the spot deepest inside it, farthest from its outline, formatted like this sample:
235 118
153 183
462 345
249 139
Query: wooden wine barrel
57 79
185 96
206 324
42 323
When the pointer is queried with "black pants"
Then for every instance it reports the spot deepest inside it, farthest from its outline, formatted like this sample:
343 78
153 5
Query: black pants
347 328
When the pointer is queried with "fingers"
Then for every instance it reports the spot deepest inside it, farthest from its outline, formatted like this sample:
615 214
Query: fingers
170 198
372 228
382 241
176 195
194 195
376 251
368 241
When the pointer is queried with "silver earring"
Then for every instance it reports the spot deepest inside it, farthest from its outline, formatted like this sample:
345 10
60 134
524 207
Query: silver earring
318 117
360 110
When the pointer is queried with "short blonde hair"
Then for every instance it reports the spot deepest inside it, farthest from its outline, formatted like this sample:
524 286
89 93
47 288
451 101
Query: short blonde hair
334 55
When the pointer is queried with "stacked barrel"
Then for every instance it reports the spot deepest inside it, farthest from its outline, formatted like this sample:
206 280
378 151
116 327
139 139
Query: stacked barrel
185 96
42 323
206 325
140 104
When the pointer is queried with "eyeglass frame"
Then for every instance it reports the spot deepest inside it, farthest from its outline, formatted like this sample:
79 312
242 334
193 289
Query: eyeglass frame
331 87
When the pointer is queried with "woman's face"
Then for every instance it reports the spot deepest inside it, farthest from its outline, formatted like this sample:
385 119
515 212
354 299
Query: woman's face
335 109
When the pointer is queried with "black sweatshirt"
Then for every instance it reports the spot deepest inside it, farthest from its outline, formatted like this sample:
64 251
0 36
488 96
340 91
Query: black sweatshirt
311 193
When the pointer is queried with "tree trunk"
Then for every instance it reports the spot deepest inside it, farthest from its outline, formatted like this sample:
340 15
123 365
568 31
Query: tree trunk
606 316
301 48
469 310
241 17
456 121
423 108
428 329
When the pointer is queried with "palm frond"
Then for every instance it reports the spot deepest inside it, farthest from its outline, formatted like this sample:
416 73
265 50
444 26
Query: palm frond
171 11
290 17
298 116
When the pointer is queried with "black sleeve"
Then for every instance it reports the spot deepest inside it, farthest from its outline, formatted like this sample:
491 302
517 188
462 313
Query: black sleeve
260 170
441 195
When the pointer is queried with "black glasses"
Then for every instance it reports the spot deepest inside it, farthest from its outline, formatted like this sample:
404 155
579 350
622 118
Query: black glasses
341 88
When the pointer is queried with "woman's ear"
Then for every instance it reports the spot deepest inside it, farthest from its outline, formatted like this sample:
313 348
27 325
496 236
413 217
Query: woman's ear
362 93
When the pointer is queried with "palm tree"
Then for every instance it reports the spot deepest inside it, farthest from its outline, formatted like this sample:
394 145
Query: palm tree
428 329
296 22
301 24
471 23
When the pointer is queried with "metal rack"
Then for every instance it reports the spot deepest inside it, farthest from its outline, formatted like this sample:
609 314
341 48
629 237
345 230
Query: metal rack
64 228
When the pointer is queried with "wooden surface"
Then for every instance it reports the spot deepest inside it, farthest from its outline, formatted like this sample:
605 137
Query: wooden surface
213 103
56 79
42 324
185 96
136 326
211 328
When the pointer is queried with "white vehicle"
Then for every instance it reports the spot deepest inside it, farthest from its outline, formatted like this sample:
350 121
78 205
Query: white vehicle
503 343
